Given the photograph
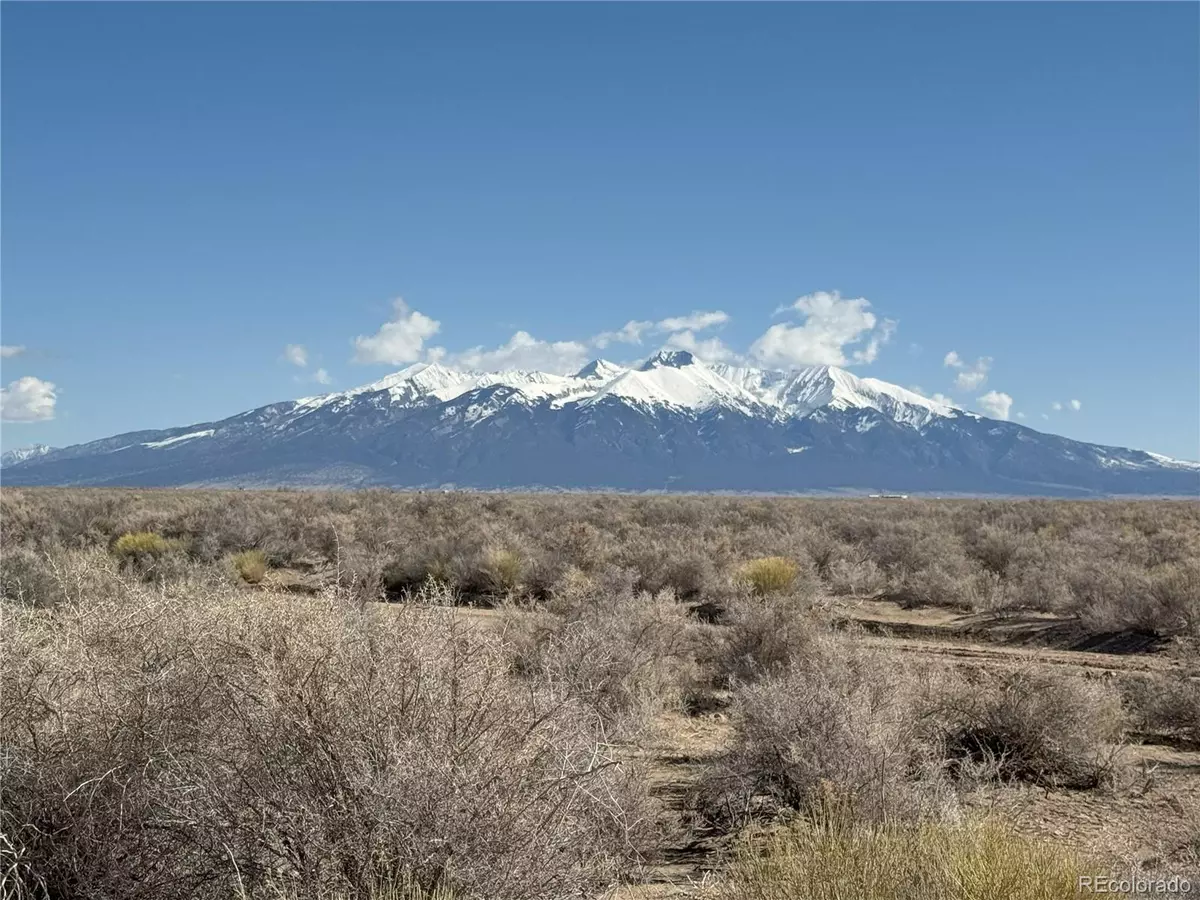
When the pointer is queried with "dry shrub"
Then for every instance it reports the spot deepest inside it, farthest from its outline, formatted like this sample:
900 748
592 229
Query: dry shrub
583 545
762 636
27 577
251 566
1164 703
836 724
1112 595
930 861
856 578
954 582
824 549
1052 730
625 656
1175 591
996 549
177 744
770 574
1043 586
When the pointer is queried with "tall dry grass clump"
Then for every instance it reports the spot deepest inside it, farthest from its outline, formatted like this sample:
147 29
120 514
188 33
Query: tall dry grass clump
504 569
202 743
251 566
930 861
770 574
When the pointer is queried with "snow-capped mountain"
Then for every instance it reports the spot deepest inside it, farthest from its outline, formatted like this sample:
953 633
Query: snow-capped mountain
12 457
671 421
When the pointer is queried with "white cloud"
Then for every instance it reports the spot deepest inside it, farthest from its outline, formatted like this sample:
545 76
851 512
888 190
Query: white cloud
996 404
635 331
882 335
831 324
630 333
8 351
318 376
1056 406
1044 416
709 349
28 399
972 380
971 376
399 340
697 321
296 355
1020 415
523 351
935 397
1076 405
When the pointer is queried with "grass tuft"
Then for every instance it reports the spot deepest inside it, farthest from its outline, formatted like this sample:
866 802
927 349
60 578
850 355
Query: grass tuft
251 565
770 574
834 861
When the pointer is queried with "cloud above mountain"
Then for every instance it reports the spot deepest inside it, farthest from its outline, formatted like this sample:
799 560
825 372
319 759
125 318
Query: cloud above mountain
829 328
524 351
826 329
970 376
296 354
399 340
28 399
995 404
521 351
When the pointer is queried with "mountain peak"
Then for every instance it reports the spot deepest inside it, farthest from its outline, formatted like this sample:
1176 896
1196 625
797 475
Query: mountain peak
600 368
674 359
12 457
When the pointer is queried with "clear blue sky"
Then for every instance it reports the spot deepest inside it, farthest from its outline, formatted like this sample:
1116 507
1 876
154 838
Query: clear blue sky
189 188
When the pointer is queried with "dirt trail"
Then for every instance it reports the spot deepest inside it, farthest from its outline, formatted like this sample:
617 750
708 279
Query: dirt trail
951 651
1007 640
676 759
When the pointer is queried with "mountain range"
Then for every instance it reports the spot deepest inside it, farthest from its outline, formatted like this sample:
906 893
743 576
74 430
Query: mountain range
672 422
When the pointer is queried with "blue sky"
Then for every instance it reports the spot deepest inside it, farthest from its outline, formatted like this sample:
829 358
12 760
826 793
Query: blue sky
190 188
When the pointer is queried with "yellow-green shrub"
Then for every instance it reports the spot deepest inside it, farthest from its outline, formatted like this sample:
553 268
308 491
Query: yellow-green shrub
251 565
770 574
143 543
504 568
895 862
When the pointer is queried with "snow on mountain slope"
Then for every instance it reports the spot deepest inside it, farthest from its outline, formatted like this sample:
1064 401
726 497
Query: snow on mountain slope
432 381
171 441
1173 463
801 392
600 370
20 454
674 379
677 379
